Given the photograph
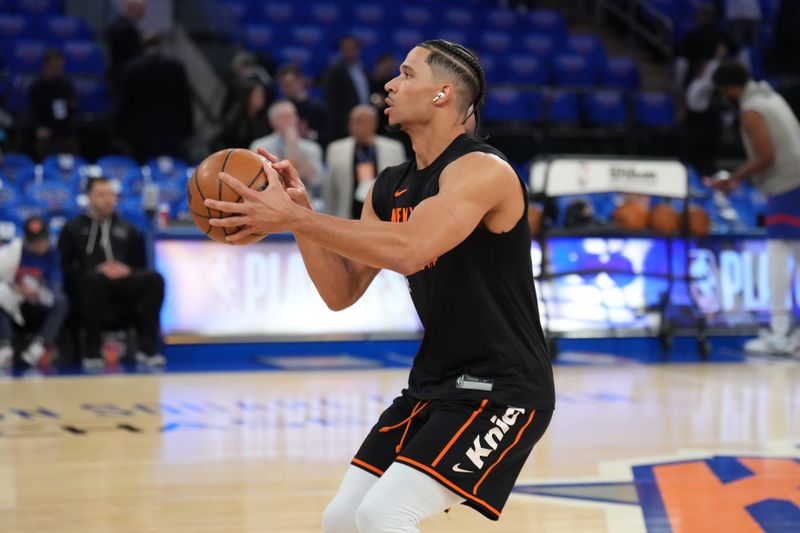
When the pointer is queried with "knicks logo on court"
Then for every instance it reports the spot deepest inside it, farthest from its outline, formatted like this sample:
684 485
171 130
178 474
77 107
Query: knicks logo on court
716 494
402 214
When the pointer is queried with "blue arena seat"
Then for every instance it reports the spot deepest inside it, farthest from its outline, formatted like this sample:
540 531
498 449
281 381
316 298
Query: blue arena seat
324 13
459 17
547 22
57 28
589 46
523 68
415 16
19 169
573 70
116 166
622 73
310 60
309 36
501 18
53 196
166 167
495 41
457 36
262 37
606 108
655 109
369 37
8 190
403 39
26 56
83 57
543 47
562 107
13 27
505 103
370 14
492 68
277 12
92 95
40 7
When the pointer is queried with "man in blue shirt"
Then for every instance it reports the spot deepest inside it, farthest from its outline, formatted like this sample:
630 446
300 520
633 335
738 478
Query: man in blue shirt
38 285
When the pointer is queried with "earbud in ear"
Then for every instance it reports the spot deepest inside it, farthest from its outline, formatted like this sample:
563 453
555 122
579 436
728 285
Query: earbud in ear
439 96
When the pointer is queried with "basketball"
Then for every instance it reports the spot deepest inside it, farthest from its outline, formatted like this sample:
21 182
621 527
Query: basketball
664 220
535 219
699 221
631 216
245 166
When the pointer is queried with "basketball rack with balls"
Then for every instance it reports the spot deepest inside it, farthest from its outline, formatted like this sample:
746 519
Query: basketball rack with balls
639 182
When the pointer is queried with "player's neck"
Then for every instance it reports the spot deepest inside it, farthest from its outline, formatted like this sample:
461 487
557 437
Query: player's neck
430 141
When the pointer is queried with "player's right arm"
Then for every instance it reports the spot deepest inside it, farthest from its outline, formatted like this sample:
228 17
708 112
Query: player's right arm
339 280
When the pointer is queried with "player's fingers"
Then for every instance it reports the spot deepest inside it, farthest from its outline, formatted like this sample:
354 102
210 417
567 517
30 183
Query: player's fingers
272 176
271 157
239 235
243 190
229 222
226 207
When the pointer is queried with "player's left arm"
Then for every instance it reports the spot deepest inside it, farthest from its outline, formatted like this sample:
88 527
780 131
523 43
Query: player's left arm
755 128
475 188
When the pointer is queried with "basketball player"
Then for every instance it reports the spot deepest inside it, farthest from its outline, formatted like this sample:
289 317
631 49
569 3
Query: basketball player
453 221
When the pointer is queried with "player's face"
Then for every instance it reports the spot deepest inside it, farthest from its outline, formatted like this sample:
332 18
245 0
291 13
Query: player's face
411 92
103 199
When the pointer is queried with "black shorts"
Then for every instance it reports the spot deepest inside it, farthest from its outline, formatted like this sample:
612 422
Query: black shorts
475 449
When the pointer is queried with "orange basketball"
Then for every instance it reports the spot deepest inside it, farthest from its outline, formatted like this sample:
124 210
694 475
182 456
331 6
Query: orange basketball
699 221
664 220
535 219
245 166
631 216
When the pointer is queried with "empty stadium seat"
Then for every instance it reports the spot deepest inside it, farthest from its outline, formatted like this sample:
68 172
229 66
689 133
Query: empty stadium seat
116 166
462 18
589 46
655 109
457 36
562 107
324 13
13 27
542 46
262 37
92 95
495 41
166 167
368 36
40 7
606 108
502 19
26 56
18 168
276 12
621 72
492 68
309 36
57 28
371 15
547 22
310 60
8 191
573 70
505 104
527 69
403 39
53 196
83 57
415 16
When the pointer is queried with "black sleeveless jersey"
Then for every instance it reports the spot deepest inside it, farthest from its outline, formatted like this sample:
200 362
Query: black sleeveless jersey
477 302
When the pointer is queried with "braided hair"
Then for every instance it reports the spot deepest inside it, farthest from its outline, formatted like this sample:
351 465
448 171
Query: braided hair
464 65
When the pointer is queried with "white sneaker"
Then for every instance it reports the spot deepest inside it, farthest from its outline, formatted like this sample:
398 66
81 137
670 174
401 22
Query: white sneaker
34 352
93 364
770 344
154 360
6 355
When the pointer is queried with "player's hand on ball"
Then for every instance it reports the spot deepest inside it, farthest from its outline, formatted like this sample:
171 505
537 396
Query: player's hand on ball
291 178
258 212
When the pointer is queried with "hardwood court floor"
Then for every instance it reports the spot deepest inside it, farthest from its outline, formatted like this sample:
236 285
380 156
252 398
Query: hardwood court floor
255 452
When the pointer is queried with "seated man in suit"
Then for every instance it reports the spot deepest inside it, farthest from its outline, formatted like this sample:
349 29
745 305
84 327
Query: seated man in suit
355 161
104 266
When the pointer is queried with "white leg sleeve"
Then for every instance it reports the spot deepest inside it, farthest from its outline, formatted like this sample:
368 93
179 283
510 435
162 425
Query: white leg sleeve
401 499
340 515
780 284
